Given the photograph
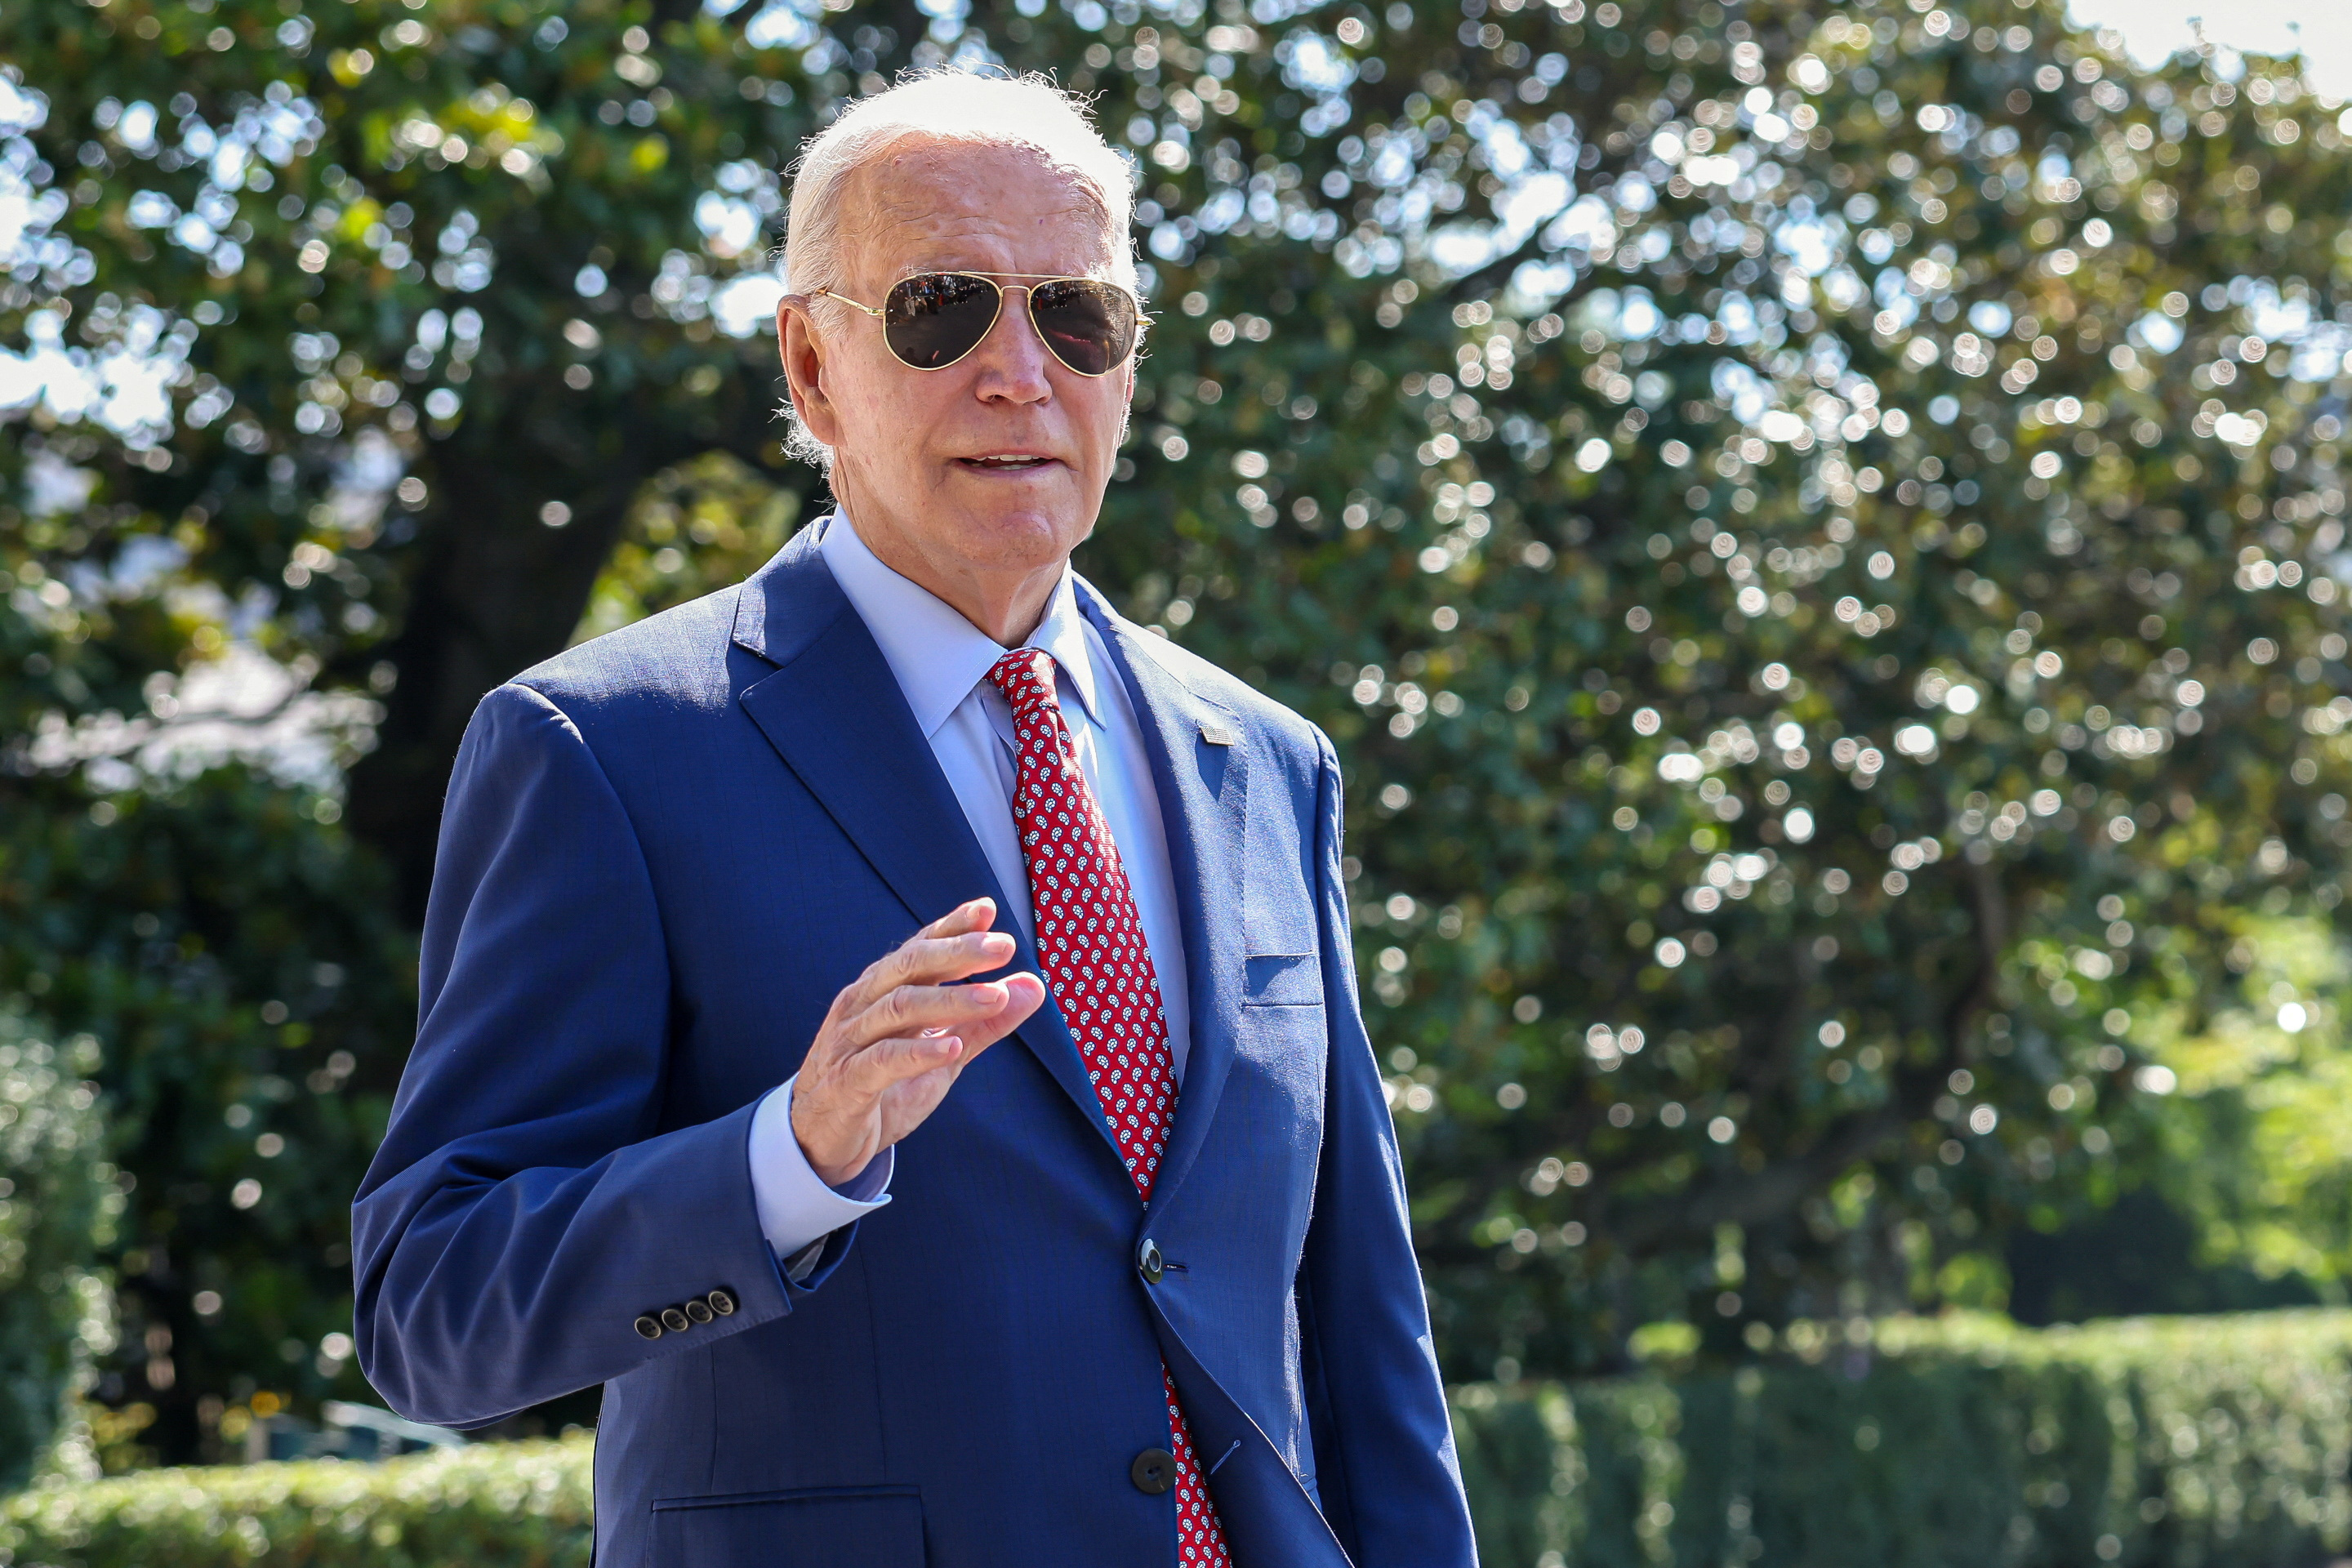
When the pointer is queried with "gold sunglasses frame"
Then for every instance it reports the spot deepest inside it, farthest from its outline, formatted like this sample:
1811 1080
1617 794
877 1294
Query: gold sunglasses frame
1029 289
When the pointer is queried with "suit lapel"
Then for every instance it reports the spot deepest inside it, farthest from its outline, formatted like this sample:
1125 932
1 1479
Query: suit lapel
834 713
1203 792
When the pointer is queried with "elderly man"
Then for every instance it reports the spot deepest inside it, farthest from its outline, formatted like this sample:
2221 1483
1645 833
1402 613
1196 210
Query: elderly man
1134 1287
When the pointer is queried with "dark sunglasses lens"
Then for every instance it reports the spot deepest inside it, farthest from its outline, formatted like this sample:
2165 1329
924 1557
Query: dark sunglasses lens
936 320
1090 326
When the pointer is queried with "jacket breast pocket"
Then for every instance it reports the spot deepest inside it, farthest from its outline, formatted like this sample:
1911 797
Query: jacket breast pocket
827 1527
1281 980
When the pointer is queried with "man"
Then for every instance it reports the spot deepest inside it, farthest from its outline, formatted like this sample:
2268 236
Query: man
1133 1286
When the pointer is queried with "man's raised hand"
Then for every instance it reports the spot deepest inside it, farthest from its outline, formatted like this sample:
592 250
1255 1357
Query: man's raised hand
897 1038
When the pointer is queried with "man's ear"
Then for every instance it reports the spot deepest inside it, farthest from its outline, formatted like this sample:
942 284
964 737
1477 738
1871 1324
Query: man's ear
801 343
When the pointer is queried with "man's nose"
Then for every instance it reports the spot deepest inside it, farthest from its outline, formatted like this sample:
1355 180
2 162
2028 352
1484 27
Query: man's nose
1012 359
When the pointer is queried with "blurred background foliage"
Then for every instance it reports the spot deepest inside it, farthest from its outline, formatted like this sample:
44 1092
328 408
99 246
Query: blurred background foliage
58 1208
1816 530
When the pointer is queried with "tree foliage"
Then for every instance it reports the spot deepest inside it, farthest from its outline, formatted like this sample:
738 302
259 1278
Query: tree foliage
1812 527
58 1207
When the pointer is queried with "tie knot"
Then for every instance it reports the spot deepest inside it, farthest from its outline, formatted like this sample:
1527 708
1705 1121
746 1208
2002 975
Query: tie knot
1026 676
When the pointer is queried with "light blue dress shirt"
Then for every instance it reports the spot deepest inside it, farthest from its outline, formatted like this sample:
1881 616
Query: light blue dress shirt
941 662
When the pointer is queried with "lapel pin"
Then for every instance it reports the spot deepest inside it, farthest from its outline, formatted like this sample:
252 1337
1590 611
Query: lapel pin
1218 735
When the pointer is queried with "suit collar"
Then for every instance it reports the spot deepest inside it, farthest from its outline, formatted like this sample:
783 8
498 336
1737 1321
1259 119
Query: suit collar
789 602
1203 780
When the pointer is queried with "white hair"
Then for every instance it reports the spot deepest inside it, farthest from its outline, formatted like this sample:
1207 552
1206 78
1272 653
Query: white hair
947 105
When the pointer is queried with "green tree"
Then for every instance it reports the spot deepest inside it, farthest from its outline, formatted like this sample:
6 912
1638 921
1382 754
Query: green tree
1873 635
57 1206
2254 1144
1810 524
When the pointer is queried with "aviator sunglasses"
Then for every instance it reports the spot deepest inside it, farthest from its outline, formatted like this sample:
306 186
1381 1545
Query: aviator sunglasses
934 318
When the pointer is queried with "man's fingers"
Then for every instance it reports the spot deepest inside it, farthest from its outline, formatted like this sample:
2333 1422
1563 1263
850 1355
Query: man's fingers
928 960
972 915
933 957
873 1071
905 1017
925 961
1023 993
913 1009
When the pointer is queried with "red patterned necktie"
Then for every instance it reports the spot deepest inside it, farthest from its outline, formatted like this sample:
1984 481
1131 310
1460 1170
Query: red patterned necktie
1091 944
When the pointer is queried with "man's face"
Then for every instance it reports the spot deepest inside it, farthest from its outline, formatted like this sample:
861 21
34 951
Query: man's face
996 464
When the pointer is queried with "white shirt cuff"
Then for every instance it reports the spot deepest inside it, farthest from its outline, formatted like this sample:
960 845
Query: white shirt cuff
796 1205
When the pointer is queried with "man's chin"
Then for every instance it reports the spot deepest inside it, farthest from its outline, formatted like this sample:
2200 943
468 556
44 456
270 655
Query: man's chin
1036 528
1048 486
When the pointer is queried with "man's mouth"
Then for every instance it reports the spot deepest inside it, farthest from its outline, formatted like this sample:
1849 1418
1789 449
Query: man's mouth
1006 462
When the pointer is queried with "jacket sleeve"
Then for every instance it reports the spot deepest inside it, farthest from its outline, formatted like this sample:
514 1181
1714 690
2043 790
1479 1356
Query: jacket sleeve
1390 1482
525 1210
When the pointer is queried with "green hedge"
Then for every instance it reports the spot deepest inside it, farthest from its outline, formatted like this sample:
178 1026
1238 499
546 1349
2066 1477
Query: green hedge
1963 1441
495 1505
2185 1443
58 1203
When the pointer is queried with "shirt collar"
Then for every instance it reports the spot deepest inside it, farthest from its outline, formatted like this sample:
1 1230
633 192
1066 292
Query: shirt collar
938 656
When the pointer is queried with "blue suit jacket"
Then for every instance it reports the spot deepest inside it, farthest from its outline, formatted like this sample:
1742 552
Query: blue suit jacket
664 852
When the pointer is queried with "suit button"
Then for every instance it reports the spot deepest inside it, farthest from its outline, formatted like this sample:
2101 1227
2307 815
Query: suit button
1152 1265
699 1310
648 1326
675 1322
721 1302
1154 1471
